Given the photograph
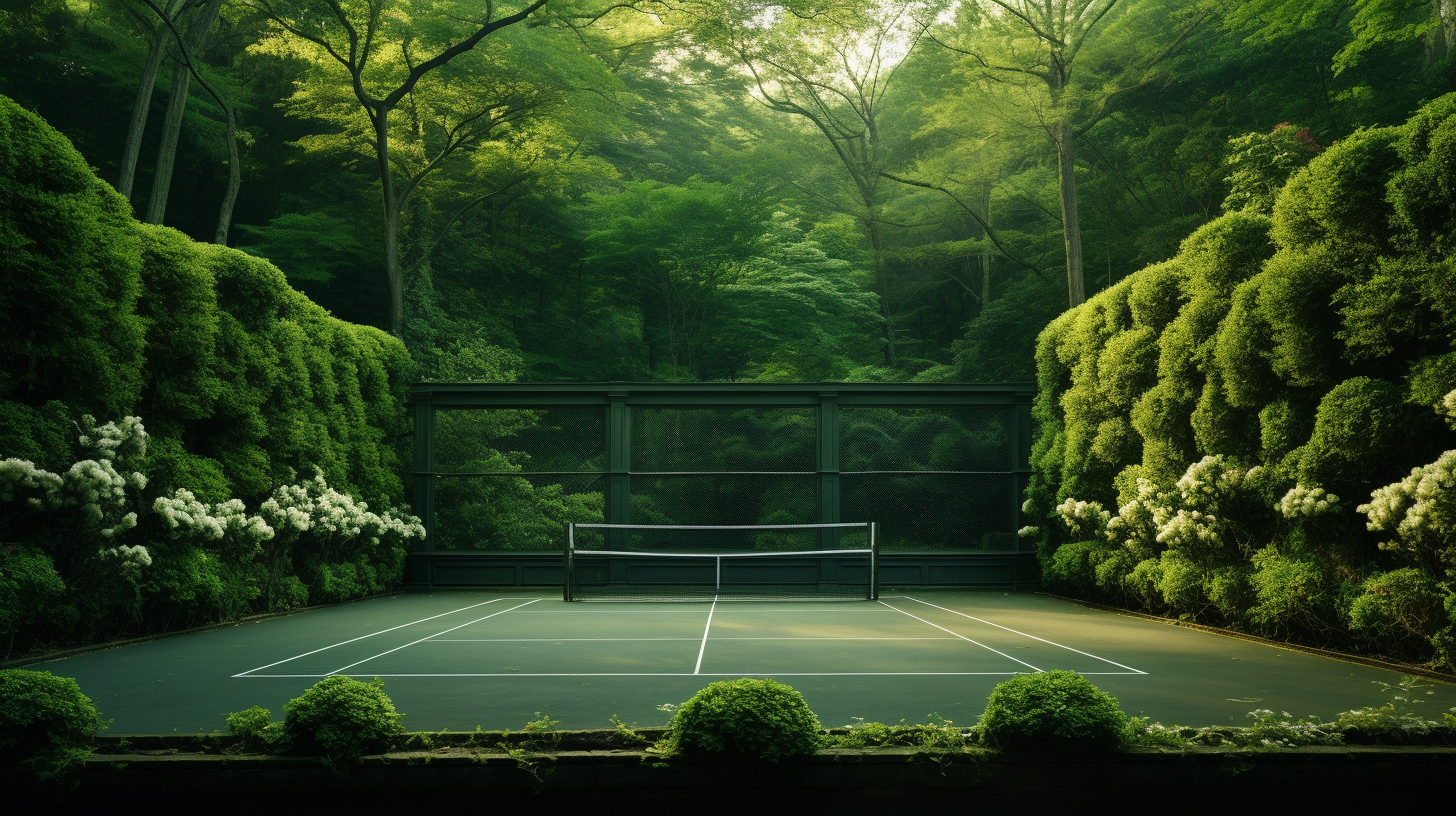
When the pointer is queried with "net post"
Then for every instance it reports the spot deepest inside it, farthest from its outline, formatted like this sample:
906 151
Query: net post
874 561
566 562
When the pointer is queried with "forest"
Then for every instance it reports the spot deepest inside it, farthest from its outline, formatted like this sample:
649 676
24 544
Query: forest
248 224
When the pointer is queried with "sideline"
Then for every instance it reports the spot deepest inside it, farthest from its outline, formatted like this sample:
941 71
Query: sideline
77 651
1373 662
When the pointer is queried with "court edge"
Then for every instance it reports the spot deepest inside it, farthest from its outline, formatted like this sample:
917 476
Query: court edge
1344 657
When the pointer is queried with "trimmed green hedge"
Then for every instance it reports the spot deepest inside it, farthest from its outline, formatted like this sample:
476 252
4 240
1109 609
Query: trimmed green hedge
244 385
1231 410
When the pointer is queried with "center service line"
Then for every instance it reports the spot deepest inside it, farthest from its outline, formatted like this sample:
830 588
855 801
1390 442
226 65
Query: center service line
423 639
704 647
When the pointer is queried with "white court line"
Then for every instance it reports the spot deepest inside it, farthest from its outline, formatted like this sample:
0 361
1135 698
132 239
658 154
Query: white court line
704 647
423 639
685 674
655 640
1023 634
963 637
370 635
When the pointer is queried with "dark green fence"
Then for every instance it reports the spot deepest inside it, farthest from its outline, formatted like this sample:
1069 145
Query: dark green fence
500 468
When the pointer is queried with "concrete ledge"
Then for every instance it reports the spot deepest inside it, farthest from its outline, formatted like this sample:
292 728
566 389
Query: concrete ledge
855 778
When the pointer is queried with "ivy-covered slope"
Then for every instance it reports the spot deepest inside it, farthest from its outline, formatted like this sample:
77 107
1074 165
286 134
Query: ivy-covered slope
244 386
1211 429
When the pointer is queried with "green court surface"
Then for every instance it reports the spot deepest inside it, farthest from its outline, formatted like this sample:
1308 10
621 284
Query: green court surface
461 659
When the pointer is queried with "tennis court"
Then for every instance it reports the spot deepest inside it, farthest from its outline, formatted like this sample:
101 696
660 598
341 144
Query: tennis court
461 659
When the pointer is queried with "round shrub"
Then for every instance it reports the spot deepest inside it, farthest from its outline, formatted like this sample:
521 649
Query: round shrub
46 726
747 718
340 719
1051 711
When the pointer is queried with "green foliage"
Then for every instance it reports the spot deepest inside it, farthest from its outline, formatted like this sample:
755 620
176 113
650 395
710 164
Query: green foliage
243 382
1051 711
1260 163
71 266
1278 377
744 719
46 727
255 728
939 736
30 593
339 719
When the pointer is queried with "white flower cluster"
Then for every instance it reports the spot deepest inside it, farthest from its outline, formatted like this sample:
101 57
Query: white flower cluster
1086 520
1307 502
1136 523
313 506
185 515
1210 480
20 475
1448 408
1188 529
129 438
92 485
1420 509
127 558
1029 531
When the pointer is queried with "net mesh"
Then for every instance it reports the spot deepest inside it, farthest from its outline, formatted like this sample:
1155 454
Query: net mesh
704 563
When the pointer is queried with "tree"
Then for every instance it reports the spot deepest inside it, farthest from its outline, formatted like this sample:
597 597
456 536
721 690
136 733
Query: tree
387 48
832 69
1033 47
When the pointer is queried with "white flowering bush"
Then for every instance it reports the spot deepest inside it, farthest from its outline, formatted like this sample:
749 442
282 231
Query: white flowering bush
1307 502
338 542
224 525
1085 521
1420 510
84 510
1418 514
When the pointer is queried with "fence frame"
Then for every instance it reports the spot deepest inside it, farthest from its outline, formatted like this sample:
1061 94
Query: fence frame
427 567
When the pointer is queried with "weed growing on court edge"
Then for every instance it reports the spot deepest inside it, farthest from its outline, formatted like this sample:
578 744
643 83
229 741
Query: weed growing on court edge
534 737
1397 721
626 732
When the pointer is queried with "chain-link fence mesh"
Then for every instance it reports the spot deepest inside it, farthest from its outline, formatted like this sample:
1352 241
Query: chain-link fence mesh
944 439
508 440
723 439
512 512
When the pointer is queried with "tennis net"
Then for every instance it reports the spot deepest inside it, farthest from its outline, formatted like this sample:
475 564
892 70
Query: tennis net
675 562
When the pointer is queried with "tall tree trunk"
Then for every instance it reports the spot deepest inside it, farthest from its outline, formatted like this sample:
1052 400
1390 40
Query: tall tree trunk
986 246
1443 33
1062 135
393 271
872 224
176 107
139 111
235 180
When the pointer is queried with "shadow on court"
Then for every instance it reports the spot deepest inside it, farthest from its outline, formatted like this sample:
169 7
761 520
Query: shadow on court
461 659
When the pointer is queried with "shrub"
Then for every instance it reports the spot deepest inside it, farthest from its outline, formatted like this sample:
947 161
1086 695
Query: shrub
255 728
46 727
747 718
340 719
1055 710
